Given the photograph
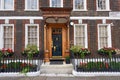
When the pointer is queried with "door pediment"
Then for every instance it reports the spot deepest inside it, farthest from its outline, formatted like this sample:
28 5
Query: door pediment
56 15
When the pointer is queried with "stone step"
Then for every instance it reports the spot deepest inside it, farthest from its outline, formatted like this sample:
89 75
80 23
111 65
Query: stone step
56 69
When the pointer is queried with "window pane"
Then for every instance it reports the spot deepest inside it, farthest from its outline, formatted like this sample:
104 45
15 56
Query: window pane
102 4
8 39
103 36
80 35
31 4
56 3
80 41
0 4
8 4
32 35
79 4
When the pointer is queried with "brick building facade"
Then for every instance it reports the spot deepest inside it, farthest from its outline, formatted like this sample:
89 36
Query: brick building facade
96 24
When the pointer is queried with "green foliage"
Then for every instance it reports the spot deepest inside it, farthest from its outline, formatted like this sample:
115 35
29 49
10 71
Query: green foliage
114 65
6 52
14 65
83 52
91 65
79 51
82 55
100 65
1 55
67 57
25 70
31 48
107 51
75 49
30 51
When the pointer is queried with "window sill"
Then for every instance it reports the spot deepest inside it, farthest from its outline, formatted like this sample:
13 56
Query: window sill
31 10
79 10
6 9
56 6
103 10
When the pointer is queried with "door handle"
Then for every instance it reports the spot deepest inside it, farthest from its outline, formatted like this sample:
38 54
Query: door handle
54 48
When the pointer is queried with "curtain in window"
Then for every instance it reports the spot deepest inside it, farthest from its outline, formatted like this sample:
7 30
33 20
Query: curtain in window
32 35
31 4
80 35
79 4
102 4
8 4
103 36
8 36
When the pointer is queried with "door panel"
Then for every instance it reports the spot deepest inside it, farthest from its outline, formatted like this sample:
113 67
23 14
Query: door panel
57 45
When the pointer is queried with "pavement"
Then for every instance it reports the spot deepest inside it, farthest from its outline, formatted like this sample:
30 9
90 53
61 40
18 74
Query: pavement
61 78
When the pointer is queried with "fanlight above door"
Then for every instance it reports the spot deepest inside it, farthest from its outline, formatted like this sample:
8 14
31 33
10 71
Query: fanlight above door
56 20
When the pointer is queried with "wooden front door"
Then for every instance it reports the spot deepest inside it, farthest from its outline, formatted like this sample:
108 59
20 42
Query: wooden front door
57 42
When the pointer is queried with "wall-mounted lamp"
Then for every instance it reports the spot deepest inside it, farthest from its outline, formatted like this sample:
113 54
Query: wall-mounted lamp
71 23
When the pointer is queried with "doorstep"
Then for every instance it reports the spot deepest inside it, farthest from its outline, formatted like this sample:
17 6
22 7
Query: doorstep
64 68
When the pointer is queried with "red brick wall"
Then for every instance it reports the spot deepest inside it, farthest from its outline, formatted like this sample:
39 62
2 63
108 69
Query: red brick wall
93 34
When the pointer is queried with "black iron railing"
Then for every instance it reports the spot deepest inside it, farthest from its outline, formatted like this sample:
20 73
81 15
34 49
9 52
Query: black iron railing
99 64
8 65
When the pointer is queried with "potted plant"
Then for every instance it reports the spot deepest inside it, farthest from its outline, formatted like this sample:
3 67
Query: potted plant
6 52
83 52
67 59
30 51
75 50
107 51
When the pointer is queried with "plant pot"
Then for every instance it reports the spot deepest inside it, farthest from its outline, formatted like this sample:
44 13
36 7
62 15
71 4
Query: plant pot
35 55
67 61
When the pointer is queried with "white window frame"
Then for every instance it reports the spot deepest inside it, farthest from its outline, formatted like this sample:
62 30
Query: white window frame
60 5
26 8
86 34
1 35
26 34
2 4
109 35
107 6
85 6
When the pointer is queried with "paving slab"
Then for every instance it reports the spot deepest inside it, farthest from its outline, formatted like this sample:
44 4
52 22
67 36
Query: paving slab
80 78
40 78
62 78
53 78
108 77
68 78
